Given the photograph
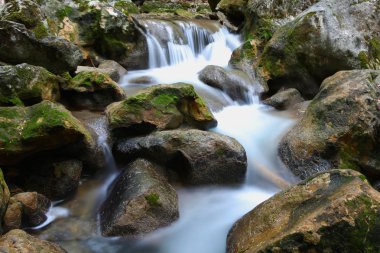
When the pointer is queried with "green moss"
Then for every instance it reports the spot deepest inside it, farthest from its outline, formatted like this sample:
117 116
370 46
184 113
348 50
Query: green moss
40 31
370 59
126 7
164 100
66 11
153 199
159 7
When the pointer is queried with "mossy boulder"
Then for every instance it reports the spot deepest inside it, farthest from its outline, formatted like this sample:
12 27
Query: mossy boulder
335 211
160 107
328 37
18 45
141 201
285 99
340 128
192 157
26 84
19 241
28 131
26 12
91 90
4 198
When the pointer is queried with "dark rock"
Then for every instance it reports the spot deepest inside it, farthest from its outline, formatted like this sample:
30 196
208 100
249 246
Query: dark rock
141 201
233 9
196 157
18 45
284 99
336 211
340 128
34 207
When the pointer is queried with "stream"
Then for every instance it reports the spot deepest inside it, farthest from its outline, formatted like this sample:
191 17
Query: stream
178 50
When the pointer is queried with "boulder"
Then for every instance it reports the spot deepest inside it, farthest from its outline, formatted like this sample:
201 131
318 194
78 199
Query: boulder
195 157
4 197
141 201
285 99
91 90
18 45
26 84
34 206
328 37
13 215
160 107
19 241
235 83
340 128
335 211
115 70
44 127
25 12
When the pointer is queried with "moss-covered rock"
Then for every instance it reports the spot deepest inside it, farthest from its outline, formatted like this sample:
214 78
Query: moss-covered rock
141 202
191 156
336 211
340 128
19 241
4 198
328 37
160 107
234 10
46 126
18 45
26 12
27 84
91 90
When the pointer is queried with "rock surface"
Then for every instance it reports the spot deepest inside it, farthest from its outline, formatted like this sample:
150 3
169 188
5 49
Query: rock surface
91 90
283 100
336 211
328 37
4 197
196 157
160 107
19 241
27 84
18 45
141 201
340 128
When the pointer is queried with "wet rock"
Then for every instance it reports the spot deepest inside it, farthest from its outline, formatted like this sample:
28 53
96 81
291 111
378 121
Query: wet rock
283 100
340 128
44 127
335 211
141 201
142 80
34 207
196 157
27 84
18 45
159 107
115 70
317 44
234 82
13 216
4 197
19 241
91 90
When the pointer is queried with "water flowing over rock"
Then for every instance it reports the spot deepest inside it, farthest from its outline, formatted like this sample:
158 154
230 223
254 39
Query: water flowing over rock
340 128
19 241
141 201
91 90
27 84
196 157
284 99
160 107
336 211
328 37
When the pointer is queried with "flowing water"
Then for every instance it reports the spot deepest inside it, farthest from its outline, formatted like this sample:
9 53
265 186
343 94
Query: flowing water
178 51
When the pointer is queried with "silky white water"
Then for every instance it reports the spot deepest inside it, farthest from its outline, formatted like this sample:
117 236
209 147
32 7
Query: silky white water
178 51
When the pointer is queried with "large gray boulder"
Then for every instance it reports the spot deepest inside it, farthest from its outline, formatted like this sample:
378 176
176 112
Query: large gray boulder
327 37
195 157
335 211
141 201
340 128
18 45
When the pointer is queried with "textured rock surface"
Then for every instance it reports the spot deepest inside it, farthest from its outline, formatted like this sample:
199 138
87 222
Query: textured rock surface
340 127
196 157
4 196
284 99
141 201
336 211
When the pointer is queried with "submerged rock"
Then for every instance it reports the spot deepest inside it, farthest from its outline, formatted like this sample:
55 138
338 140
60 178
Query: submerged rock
91 90
160 107
18 45
44 127
336 211
340 128
283 100
141 201
27 84
19 241
196 157
328 37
